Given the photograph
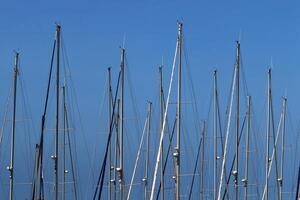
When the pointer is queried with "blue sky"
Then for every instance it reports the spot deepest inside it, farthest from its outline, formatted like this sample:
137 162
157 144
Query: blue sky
93 31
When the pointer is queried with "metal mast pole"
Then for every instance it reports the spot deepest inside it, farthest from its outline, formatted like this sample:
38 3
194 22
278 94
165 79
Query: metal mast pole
161 93
236 167
280 180
63 144
117 150
215 135
55 157
13 130
202 165
268 135
245 180
145 179
177 148
122 125
109 122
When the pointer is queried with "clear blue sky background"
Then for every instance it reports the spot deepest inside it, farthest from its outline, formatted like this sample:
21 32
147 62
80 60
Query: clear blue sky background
93 31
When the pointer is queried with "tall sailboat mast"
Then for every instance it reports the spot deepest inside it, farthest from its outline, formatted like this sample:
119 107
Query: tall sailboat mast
161 105
55 157
109 122
202 163
122 125
280 180
145 179
13 130
237 111
177 148
215 135
116 149
268 136
63 144
245 180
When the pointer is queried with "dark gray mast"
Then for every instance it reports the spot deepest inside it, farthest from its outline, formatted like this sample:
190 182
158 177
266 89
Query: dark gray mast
55 157
215 135
13 130
110 168
161 105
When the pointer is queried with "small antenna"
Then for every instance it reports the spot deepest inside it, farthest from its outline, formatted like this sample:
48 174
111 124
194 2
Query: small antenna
271 63
285 93
240 35
124 40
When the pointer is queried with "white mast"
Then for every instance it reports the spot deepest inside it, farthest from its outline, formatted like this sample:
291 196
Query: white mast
226 138
121 168
202 165
145 179
163 127
63 144
280 180
177 148
146 125
268 136
236 167
13 130
245 180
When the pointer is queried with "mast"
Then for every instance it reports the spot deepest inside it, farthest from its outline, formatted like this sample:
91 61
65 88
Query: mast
109 122
122 124
268 135
13 130
177 148
117 150
280 180
245 180
55 157
215 135
63 144
145 179
202 166
161 104
237 110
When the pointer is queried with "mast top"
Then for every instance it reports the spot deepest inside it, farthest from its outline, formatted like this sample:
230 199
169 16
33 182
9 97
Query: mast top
180 24
58 26
16 62
284 98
